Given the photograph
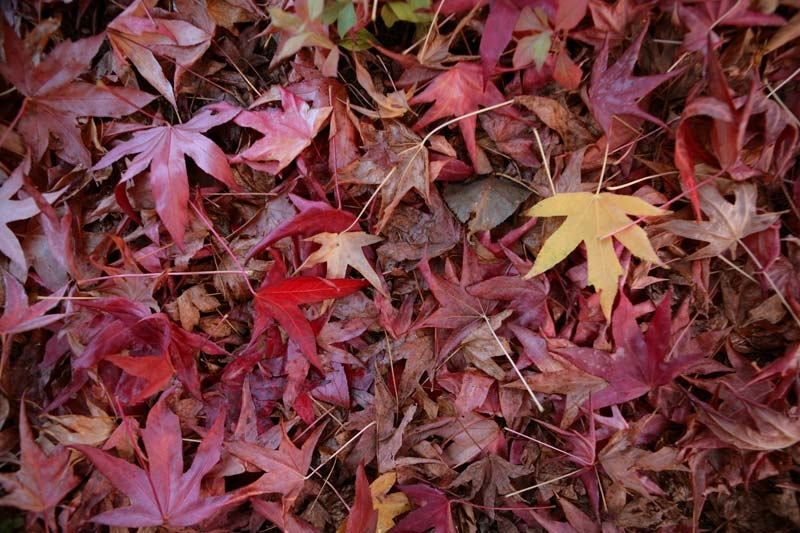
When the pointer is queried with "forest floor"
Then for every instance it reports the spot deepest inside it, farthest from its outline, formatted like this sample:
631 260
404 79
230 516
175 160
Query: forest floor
337 265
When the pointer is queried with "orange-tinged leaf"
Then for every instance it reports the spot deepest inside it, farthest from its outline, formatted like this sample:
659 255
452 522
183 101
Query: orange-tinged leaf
593 219
342 249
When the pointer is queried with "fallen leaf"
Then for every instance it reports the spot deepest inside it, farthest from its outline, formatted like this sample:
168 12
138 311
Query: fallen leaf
139 34
18 316
338 250
363 517
388 505
593 219
284 469
614 91
286 132
13 210
54 99
750 425
280 302
433 511
490 477
42 480
163 150
485 202
396 150
728 222
161 494
457 91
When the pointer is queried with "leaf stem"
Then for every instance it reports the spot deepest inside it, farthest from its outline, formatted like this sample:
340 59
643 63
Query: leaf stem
342 447
510 360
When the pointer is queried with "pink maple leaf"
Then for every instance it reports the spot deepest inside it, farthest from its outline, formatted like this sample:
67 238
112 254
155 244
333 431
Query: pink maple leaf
163 150
162 494
287 132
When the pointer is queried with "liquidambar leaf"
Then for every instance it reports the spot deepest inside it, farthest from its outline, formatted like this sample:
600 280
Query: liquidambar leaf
594 219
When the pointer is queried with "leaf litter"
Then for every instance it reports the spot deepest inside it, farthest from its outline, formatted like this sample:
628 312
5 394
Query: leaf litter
399 266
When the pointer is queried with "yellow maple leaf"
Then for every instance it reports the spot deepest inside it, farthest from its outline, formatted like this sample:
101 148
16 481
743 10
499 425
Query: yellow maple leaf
387 505
595 219
342 249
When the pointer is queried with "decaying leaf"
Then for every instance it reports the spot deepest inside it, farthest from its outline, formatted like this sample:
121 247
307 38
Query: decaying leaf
485 202
727 222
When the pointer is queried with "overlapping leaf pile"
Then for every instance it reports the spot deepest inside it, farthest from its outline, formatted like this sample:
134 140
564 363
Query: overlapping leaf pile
407 265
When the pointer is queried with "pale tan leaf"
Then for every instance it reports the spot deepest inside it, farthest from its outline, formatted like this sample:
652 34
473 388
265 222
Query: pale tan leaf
342 249
727 222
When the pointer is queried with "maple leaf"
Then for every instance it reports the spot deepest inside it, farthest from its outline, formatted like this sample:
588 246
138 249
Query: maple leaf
396 150
615 91
388 505
458 91
313 218
727 222
433 511
593 219
42 480
139 34
287 132
748 425
342 249
702 18
284 469
390 105
610 22
490 476
54 100
729 123
280 301
163 150
162 494
299 29
18 316
363 517
640 363
155 370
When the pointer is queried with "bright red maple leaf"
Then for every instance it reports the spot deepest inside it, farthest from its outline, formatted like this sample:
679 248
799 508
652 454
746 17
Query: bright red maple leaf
163 150
54 100
42 480
614 90
287 132
455 92
313 218
280 301
162 494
